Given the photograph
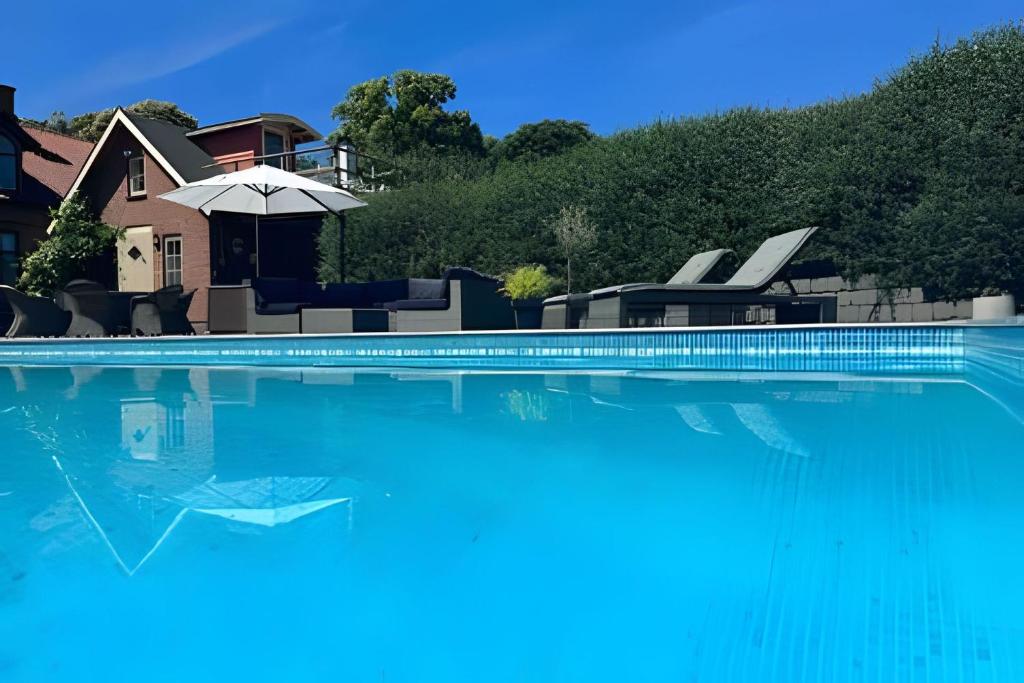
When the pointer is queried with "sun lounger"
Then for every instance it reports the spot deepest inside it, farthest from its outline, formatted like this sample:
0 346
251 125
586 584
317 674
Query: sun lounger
569 311
674 304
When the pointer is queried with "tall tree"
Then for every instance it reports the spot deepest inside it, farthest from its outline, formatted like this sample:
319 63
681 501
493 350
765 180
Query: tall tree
918 182
91 125
532 141
405 113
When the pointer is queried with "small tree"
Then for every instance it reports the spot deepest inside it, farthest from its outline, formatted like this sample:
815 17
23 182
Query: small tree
575 234
77 237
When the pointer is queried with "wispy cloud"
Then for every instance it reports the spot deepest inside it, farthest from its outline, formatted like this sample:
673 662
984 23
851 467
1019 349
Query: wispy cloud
335 29
165 56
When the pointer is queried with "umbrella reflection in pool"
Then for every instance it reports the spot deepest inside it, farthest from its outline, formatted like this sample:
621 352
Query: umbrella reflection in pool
266 501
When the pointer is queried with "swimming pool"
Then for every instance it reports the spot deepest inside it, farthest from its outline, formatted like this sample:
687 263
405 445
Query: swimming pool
410 524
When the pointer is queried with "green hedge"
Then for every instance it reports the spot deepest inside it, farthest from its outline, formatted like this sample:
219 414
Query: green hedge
920 181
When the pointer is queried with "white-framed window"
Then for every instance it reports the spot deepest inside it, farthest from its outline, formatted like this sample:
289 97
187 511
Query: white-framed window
136 176
172 261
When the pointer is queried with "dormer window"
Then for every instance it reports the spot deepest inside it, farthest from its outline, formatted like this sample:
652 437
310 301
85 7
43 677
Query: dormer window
8 164
137 176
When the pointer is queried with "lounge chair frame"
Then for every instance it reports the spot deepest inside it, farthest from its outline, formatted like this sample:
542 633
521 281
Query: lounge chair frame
570 311
614 307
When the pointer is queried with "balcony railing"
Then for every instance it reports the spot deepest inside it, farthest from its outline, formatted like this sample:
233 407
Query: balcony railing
337 165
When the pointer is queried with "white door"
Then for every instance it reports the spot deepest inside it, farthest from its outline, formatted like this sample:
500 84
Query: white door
135 260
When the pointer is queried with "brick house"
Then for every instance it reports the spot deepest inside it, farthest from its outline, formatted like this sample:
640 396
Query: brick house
138 159
37 167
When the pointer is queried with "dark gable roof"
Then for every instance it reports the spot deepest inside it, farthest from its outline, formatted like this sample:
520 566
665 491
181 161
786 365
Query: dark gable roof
180 152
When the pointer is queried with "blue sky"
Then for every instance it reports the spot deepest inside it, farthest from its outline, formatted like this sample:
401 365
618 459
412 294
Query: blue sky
611 64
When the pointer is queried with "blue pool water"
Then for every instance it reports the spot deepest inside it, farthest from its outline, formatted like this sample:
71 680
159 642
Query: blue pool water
295 525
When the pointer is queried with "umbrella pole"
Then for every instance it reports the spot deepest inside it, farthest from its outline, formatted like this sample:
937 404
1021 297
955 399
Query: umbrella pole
257 245
341 246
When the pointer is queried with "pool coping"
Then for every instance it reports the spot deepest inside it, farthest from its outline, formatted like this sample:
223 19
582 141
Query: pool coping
1019 322
854 347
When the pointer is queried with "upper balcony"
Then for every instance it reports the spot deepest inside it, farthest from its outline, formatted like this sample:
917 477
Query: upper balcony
237 144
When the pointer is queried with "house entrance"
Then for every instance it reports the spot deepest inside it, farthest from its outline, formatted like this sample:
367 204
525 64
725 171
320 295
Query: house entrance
135 260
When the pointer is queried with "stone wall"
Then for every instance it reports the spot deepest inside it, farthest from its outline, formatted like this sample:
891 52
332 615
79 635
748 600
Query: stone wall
861 301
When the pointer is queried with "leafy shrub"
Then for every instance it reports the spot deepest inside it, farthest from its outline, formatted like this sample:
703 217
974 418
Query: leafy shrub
875 171
528 282
77 237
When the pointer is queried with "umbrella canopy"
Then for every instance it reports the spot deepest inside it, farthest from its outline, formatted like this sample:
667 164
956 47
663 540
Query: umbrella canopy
263 191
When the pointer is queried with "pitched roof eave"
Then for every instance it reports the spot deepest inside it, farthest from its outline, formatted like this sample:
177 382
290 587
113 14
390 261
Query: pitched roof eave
120 117
266 117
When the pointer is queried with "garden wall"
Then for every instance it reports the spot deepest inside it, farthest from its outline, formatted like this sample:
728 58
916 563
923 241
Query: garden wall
861 301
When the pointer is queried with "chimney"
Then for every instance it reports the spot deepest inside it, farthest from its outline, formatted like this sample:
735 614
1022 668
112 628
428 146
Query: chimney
6 99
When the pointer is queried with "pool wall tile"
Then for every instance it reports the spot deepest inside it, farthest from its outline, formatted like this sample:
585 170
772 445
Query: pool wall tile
994 362
997 348
896 349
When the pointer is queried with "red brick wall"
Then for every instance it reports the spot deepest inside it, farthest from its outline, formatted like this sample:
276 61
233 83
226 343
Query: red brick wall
233 141
106 187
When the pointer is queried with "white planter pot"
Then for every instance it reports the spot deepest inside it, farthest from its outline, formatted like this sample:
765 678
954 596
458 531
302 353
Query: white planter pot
994 307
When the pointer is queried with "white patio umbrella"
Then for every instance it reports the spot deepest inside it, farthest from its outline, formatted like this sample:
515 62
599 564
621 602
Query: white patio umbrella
263 191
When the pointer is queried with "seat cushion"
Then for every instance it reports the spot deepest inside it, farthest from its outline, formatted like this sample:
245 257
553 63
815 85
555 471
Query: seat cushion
381 291
276 290
460 273
424 288
417 305
347 295
279 308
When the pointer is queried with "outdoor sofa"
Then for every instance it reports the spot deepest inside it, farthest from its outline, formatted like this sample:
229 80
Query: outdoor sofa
275 305
714 304
461 299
